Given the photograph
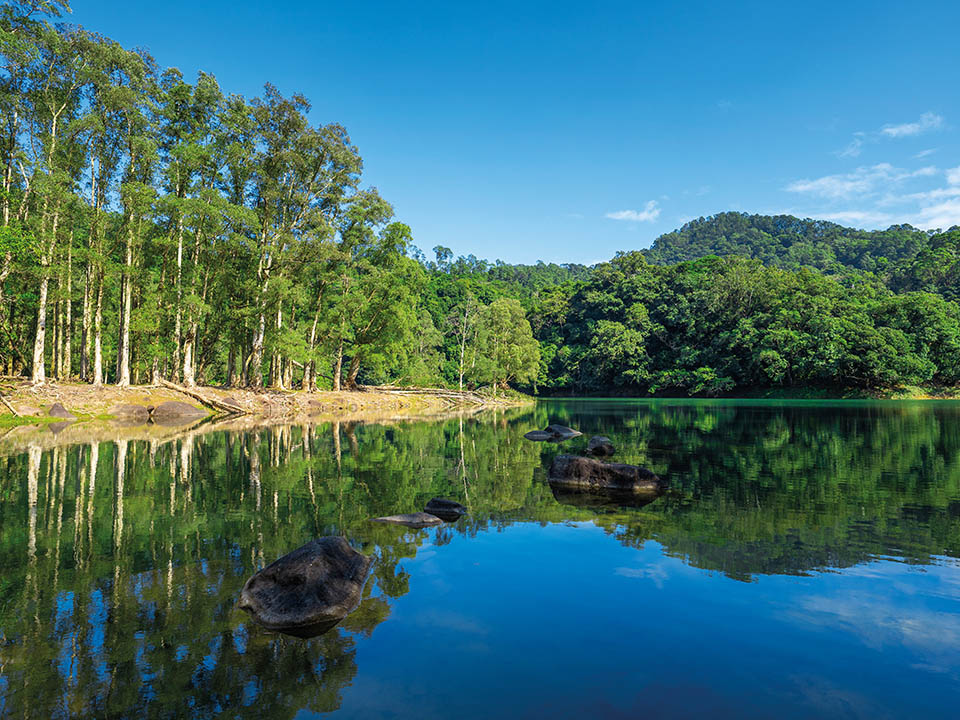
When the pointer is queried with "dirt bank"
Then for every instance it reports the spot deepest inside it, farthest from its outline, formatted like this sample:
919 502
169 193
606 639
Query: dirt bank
87 402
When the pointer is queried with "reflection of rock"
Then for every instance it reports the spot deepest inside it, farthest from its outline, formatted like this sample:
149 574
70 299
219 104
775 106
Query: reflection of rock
414 520
599 499
562 431
307 591
538 435
600 446
131 414
554 433
58 427
446 510
592 474
57 410
173 412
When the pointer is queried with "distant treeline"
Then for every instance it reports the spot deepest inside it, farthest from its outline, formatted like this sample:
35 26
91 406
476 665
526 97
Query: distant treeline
157 228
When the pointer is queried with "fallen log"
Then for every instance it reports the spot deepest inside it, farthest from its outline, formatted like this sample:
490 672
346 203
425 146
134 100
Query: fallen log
9 405
211 402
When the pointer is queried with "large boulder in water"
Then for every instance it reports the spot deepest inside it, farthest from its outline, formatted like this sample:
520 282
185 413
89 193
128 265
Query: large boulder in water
590 474
307 591
600 446
57 410
414 520
446 510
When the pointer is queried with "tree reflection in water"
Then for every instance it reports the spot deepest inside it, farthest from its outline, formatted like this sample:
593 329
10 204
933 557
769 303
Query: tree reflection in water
121 562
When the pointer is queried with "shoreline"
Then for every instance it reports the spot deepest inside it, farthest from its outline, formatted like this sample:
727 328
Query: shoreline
86 402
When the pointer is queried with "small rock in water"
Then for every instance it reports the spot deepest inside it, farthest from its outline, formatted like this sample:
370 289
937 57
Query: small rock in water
446 510
600 446
552 433
414 520
59 411
307 591
592 474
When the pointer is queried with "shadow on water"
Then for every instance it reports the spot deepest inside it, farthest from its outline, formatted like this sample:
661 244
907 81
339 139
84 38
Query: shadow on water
121 562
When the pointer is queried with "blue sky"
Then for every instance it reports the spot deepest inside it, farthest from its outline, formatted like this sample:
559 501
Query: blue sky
567 131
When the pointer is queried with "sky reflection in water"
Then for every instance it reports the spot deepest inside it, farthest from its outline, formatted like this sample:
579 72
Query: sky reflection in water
802 565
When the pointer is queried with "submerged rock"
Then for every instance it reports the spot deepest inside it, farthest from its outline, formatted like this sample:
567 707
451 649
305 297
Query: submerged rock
591 474
307 591
600 446
414 520
446 510
57 410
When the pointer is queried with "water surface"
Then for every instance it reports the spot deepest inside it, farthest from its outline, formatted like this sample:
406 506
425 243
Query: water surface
802 565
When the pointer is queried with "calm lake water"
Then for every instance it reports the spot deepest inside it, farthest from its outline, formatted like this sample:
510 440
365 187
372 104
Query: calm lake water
804 564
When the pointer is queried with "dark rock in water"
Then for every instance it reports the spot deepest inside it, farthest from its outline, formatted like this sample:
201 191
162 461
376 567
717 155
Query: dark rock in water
173 412
307 591
600 446
131 414
562 431
59 411
446 510
538 435
591 474
414 520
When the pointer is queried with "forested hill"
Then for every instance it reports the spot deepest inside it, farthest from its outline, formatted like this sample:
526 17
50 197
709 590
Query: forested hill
788 242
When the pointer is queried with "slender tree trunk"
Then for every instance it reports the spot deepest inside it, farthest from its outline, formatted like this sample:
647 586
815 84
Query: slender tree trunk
98 330
68 317
177 329
256 354
353 372
338 367
231 365
123 369
39 368
85 325
38 376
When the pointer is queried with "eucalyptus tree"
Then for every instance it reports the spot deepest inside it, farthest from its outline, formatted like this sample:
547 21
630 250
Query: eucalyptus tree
302 178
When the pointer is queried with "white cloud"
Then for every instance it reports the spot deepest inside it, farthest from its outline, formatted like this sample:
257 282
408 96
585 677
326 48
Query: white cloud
925 153
857 217
853 149
927 122
860 182
873 196
650 212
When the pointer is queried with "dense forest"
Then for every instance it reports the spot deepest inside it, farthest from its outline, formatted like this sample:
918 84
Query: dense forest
155 227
